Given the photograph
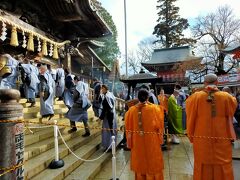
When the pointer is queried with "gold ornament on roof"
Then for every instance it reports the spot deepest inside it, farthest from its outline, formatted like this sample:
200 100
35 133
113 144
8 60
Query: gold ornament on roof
30 45
14 37
41 47
44 48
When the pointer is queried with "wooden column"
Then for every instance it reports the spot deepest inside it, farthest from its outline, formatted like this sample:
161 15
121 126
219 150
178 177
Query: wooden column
67 62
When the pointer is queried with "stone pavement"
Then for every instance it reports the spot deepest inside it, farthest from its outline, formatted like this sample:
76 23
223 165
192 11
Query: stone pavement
178 164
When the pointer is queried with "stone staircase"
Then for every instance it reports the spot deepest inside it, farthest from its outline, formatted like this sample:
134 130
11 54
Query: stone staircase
39 147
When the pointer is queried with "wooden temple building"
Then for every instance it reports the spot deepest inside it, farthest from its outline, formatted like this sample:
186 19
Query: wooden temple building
163 63
232 80
136 80
56 31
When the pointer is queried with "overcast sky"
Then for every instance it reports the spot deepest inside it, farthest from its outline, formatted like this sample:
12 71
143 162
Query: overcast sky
142 15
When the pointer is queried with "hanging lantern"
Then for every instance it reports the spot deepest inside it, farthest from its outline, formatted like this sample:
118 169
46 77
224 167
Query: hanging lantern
44 48
30 45
14 37
55 52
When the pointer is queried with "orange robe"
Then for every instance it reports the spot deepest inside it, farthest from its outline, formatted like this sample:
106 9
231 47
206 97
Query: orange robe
212 157
163 102
146 153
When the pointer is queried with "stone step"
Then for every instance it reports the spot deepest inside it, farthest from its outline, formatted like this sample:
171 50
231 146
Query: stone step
23 100
37 148
39 142
26 105
39 163
38 136
36 114
37 122
37 108
71 162
88 170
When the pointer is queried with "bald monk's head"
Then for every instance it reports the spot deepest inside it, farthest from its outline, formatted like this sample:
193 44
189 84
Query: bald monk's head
210 79
227 89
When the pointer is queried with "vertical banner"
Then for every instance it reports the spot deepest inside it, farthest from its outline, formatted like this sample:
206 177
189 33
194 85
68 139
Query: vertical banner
19 146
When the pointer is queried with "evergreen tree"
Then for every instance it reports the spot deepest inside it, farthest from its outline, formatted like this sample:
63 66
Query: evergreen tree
170 25
110 51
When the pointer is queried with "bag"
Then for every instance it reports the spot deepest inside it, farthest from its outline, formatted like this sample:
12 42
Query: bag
89 104
46 93
28 80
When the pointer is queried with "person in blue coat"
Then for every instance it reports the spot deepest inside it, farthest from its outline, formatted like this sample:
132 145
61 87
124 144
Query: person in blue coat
30 79
46 93
78 112
60 82
8 72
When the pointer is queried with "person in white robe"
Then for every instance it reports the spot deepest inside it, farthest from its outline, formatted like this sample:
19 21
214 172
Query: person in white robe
46 93
30 79
8 72
60 82
108 116
78 112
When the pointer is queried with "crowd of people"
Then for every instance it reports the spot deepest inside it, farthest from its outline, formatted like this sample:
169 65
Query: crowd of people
40 80
207 117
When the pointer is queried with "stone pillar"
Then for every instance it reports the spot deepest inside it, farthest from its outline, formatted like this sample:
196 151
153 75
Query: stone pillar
11 134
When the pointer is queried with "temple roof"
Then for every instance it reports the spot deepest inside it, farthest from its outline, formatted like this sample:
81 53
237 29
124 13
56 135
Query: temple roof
231 49
85 58
61 19
142 77
171 56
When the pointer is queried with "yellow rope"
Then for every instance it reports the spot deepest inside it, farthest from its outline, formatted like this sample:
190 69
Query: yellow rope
108 129
10 169
26 123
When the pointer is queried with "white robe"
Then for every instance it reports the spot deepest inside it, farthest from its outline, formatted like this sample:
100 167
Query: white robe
47 105
60 82
78 111
32 73
9 82
107 135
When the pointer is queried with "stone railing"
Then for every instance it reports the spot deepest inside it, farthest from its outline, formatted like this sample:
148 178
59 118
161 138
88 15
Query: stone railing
120 103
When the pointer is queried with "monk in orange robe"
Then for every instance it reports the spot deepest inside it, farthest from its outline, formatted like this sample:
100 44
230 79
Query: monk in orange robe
163 99
146 153
209 114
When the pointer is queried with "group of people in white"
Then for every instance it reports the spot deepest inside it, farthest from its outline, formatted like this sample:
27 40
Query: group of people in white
40 80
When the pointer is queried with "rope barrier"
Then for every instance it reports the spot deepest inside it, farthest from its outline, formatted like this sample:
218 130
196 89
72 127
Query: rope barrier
51 124
39 127
79 158
10 169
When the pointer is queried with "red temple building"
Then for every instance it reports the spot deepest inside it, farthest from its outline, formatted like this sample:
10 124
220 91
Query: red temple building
164 61
232 80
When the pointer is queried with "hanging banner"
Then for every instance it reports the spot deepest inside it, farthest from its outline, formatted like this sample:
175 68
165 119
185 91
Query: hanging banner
229 78
171 76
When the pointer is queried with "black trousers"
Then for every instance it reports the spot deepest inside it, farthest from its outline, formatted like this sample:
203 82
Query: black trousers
73 125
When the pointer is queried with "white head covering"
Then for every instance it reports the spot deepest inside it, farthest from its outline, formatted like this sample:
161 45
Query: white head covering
80 87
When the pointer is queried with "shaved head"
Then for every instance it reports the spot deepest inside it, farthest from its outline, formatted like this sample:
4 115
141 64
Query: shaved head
227 89
210 79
